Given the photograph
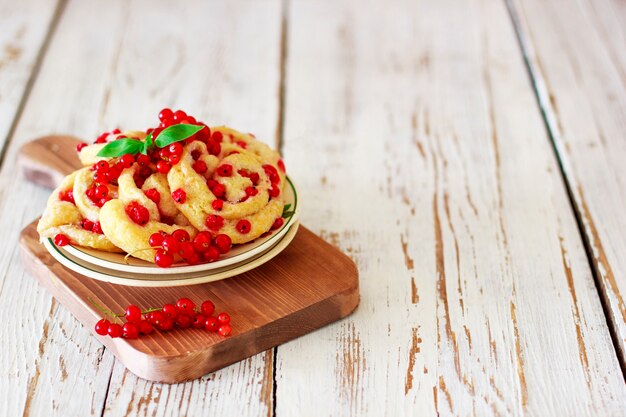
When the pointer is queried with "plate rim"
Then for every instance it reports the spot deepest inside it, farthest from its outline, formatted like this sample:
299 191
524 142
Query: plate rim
182 269
203 279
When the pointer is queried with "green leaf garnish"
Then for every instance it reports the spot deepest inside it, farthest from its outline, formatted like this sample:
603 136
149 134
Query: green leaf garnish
176 133
121 147
146 144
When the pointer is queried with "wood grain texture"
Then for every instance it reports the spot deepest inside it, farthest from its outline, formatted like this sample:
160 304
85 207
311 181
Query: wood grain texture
269 305
25 26
577 55
434 171
217 60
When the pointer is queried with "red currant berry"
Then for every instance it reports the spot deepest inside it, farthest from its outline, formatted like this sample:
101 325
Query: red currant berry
242 144
251 191
174 159
179 115
87 224
164 153
200 167
198 321
218 190
127 160
187 251
102 327
181 235
224 330
212 254
271 173
153 195
274 191
97 228
101 191
143 160
255 178
170 244
223 243
214 148
243 226
176 148
130 331
155 240
217 136
138 213
207 307
61 240
170 311
157 318
184 321
214 222
179 195
115 330
217 204
223 318
163 167
281 165
132 313
67 196
163 259
225 170
185 305
166 113
202 241
80 146
145 327
166 325
211 324
278 223
101 165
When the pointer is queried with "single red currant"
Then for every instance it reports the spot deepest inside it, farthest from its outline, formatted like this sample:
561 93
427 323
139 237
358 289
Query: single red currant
211 324
153 195
198 321
101 191
214 148
251 191
184 321
143 160
217 204
132 313
218 190
274 191
127 160
179 115
130 331
187 251
80 146
278 223
157 318
170 244
214 222
255 178
166 325
163 259
87 224
138 213
243 226
217 136
185 305
163 167
181 235
223 318
207 307
61 240
223 243
224 330
155 240
225 170
174 159
175 148
97 228
145 327
200 167
212 254
170 311
281 165
102 327
166 113
179 195
115 330
202 241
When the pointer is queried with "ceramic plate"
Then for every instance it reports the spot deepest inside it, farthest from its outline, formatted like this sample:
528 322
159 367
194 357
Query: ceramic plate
160 280
239 253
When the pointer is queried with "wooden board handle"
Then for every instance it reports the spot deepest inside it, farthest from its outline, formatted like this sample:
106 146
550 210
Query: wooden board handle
47 160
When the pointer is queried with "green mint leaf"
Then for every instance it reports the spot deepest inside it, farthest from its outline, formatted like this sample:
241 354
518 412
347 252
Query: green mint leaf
146 144
176 133
287 214
120 147
287 207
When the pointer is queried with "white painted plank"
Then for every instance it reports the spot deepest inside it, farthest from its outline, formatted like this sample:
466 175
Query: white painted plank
24 26
577 53
116 63
414 133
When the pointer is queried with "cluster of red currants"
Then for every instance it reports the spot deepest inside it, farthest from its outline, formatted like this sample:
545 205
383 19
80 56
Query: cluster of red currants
202 248
183 314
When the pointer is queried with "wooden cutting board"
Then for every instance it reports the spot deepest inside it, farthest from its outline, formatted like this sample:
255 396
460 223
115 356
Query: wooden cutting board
310 284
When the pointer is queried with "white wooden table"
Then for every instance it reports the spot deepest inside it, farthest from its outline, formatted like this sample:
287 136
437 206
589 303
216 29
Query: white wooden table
469 155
